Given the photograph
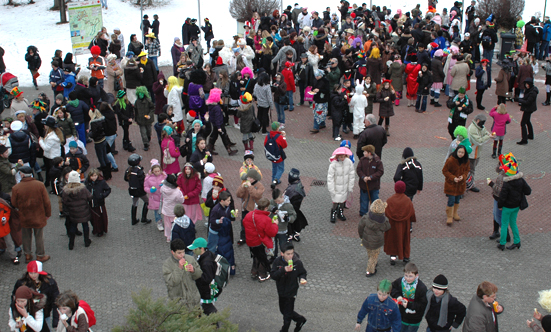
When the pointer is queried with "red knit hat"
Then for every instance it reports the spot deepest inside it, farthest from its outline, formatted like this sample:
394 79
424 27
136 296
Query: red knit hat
353 15
484 60
289 64
387 81
400 187
218 181
95 50
219 61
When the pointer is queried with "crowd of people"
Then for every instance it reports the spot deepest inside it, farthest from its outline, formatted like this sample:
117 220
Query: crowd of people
342 66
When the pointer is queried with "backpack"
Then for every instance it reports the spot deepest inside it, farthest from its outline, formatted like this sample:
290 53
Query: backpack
272 149
222 275
5 212
486 41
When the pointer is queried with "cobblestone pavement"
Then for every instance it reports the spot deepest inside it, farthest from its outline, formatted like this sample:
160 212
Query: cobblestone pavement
130 257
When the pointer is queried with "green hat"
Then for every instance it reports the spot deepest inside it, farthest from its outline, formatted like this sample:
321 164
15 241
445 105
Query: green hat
462 90
198 243
385 286
121 94
275 126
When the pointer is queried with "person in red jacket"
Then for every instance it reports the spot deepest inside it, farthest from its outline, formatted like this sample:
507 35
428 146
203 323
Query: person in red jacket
274 144
259 230
289 78
189 183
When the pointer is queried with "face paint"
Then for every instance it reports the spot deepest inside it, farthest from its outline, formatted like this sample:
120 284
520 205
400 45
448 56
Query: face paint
140 95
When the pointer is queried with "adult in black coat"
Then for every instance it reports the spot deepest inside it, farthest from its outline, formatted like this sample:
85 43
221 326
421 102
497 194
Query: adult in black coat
110 125
34 62
372 134
155 25
338 107
185 31
528 105
295 192
411 172
193 30
208 265
207 30
149 75
2 64
418 35
531 36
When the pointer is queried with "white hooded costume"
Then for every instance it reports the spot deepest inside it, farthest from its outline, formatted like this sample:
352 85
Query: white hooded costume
357 104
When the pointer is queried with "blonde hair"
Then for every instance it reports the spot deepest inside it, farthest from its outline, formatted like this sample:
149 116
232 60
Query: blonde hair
501 109
94 113
545 299
92 172
172 82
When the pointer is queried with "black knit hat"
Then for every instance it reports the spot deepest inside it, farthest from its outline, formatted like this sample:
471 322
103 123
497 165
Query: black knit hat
408 152
440 282
294 175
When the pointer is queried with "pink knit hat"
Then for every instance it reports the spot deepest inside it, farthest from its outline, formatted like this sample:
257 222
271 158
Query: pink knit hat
214 96
154 162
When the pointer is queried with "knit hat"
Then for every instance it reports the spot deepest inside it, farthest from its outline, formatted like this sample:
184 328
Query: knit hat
385 286
59 96
16 125
73 144
248 154
408 152
294 174
121 94
440 282
15 92
368 148
3 148
95 50
510 164
246 98
218 181
484 60
253 173
25 292
289 64
462 90
154 162
400 187
275 126
219 61
168 130
209 168
171 178
74 177
378 206
36 267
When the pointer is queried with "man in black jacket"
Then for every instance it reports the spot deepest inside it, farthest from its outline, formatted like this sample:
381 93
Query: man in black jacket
206 260
528 105
372 134
288 271
531 35
411 172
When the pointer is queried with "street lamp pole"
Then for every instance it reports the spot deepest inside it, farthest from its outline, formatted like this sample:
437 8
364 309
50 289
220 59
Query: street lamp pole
199 19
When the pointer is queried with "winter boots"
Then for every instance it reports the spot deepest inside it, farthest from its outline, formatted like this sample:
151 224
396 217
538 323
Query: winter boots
340 212
144 215
387 130
210 147
449 214
127 145
547 99
87 240
134 212
456 217
495 234
333 216
227 143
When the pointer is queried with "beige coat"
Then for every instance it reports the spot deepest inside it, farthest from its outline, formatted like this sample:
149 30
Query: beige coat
459 73
250 195
340 179
180 283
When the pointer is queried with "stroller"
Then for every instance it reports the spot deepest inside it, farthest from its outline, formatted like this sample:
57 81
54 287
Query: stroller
9 88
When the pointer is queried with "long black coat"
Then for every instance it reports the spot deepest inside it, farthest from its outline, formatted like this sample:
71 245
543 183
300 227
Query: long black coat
149 74
75 203
513 189
338 106
374 135
208 266
425 83
99 190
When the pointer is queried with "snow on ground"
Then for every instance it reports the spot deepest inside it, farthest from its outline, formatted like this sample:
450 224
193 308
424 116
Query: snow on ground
35 25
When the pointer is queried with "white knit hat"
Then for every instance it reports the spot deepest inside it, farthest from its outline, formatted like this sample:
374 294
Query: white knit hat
209 167
74 177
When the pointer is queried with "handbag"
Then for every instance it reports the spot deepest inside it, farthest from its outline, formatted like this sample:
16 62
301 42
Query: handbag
167 158
307 95
255 126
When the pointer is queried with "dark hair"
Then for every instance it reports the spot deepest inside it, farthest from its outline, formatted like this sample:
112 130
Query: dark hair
162 117
263 79
197 140
465 158
67 299
93 82
177 244
55 63
224 196
132 36
104 107
269 38
68 58
57 160
287 247
73 95
179 210
276 193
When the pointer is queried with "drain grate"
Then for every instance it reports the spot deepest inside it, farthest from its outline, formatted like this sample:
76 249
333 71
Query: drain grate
318 183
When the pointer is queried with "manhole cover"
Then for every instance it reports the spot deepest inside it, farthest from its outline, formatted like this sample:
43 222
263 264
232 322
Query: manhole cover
318 183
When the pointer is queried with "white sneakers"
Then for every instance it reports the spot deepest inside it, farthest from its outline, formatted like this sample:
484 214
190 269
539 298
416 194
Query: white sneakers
237 126
282 126
160 226
338 138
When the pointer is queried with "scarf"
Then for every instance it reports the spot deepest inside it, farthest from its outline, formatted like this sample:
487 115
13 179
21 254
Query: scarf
73 103
456 98
143 60
408 290
443 318
122 103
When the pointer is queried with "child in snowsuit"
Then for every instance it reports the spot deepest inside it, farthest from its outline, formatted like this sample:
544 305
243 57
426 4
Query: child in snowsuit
358 103
152 185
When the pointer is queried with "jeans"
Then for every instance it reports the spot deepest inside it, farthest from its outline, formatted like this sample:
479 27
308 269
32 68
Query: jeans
158 216
544 50
291 103
421 103
489 54
453 200
81 131
101 152
277 170
212 242
110 140
497 213
365 199
100 81
103 3
154 60
409 328
280 241
280 109
37 168
509 219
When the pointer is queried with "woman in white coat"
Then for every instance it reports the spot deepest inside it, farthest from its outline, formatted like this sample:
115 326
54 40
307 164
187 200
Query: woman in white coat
173 94
340 181
52 144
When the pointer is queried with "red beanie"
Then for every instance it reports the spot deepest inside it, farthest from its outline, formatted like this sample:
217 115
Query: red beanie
353 15
95 50
219 61
400 187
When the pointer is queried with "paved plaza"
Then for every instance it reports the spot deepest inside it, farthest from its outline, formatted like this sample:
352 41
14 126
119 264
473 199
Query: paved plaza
129 257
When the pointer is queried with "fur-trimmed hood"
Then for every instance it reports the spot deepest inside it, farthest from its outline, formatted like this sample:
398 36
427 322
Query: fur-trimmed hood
517 176
408 159
75 190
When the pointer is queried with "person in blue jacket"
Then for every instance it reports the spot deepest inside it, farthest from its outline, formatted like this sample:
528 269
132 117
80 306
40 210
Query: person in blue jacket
56 78
384 314
69 83
220 218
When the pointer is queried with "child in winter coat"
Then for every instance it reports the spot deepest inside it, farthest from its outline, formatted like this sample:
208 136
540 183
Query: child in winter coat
281 207
183 228
385 98
135 177
217 120
152 185
439 294
340 181
371 230
99 189
76 159
370 90
75 205
412 292
358 103
169 150
424 79
248 164
210 174
171 196
220 215
501 119
189 182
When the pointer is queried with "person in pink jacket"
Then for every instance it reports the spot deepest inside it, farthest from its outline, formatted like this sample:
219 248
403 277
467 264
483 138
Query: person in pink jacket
190 185
171 195
169 147
501 119
152 185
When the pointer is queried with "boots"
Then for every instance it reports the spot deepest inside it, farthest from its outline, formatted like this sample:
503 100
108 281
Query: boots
436 103
508 239
87 240
499 149
340 212
456 217
251 144
494 153
333 216
449 213
144 215
228 144
130 148
431 101
210 147
246 145
106 171
71 241
387 130
547 99
134 212
495 234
